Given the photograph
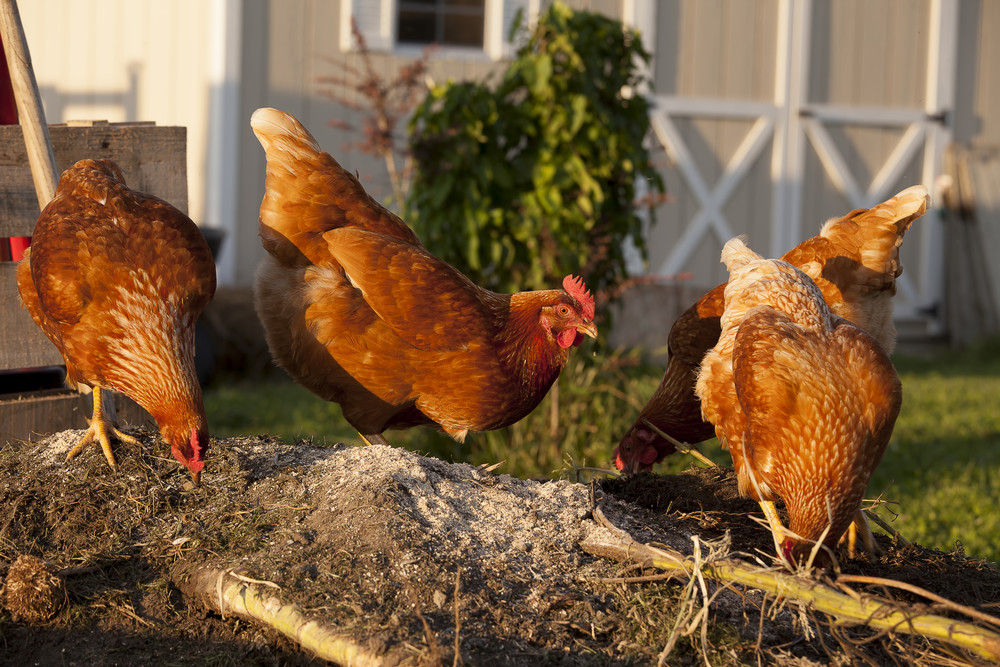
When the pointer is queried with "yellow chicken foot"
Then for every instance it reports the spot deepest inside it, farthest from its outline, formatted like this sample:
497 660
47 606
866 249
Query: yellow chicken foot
99 432
374 439
777 529
860 524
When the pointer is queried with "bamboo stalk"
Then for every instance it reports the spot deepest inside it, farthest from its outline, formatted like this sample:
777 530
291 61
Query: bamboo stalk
230 593
820 597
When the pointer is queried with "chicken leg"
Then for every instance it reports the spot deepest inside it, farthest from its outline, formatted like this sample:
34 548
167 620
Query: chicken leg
374 439
100 432
860 525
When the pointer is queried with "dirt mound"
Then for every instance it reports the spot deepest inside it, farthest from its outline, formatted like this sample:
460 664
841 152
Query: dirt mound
409 557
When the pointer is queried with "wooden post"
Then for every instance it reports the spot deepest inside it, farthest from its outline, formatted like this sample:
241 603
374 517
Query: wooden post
41 159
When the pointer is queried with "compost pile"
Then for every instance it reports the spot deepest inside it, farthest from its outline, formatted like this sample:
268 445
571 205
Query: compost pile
410 560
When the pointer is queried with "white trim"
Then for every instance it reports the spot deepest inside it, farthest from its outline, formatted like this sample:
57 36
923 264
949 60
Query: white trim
493 29
711 215
942 59
707 107
788 151
640 15
381 29
222 193
902 155
384 37
869 116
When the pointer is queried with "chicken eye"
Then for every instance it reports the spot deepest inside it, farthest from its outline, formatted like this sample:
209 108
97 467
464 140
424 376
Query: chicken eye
564 310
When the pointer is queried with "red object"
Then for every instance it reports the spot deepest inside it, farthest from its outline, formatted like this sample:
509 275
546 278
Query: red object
18 244
8 107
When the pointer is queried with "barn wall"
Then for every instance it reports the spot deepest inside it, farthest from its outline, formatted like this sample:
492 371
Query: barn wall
977 108
123 60
144 60
858 53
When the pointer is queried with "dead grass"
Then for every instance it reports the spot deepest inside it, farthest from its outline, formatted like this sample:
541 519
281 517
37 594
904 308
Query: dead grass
416 561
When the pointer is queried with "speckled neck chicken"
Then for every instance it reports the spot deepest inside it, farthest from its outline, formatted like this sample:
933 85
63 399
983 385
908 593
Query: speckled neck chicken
804 400
356 310
854 261
116 279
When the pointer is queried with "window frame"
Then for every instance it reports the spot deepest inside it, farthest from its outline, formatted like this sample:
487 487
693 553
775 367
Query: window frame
377 21
440 11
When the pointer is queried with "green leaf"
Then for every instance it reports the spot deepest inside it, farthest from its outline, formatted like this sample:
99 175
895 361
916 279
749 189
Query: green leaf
517 178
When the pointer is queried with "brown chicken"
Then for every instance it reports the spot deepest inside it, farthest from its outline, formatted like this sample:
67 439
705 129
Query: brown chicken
804 400
854 260
116 279
360 313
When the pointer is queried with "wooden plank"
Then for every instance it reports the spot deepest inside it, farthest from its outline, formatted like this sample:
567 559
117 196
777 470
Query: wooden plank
31 416
22 343
154 160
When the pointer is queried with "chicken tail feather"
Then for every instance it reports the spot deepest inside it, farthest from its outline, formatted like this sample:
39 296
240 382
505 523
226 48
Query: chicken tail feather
309 193
736 253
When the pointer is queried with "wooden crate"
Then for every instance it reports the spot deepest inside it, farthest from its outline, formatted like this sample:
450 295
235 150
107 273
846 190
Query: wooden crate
153 160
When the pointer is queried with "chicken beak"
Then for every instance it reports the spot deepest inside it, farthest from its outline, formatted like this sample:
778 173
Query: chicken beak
588 328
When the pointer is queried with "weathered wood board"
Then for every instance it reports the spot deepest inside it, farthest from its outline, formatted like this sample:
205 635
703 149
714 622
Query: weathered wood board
31 415
154 160
22 343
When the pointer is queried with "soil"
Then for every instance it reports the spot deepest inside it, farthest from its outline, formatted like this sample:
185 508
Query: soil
409 556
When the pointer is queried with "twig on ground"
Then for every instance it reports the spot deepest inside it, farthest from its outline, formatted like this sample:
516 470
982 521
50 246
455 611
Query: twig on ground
917 590
884 525
682 447
863 610
245 599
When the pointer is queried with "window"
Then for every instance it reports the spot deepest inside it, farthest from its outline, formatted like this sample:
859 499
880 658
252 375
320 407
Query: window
468 26
444 22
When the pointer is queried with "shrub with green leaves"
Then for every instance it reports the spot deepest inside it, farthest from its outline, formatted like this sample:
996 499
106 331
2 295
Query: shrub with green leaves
524 180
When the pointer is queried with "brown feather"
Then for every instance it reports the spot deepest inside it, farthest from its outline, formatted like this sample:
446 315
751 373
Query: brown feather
804 400
357 311
116 279
854 261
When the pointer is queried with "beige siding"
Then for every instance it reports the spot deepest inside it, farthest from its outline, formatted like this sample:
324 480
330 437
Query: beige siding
860 53
977 109
869 52
716 48
148 60
126 60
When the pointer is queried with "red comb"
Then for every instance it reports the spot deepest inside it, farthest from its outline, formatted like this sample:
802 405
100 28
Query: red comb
578 290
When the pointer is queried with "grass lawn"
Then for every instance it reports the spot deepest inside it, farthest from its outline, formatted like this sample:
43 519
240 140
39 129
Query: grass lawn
941 472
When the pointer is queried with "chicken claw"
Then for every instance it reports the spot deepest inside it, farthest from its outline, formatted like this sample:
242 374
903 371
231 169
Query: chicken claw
860 525
99 433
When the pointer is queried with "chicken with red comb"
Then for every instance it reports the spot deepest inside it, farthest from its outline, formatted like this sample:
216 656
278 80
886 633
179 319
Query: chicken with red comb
356 310
116 279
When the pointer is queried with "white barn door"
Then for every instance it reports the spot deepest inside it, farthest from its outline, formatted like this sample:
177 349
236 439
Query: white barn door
807 149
